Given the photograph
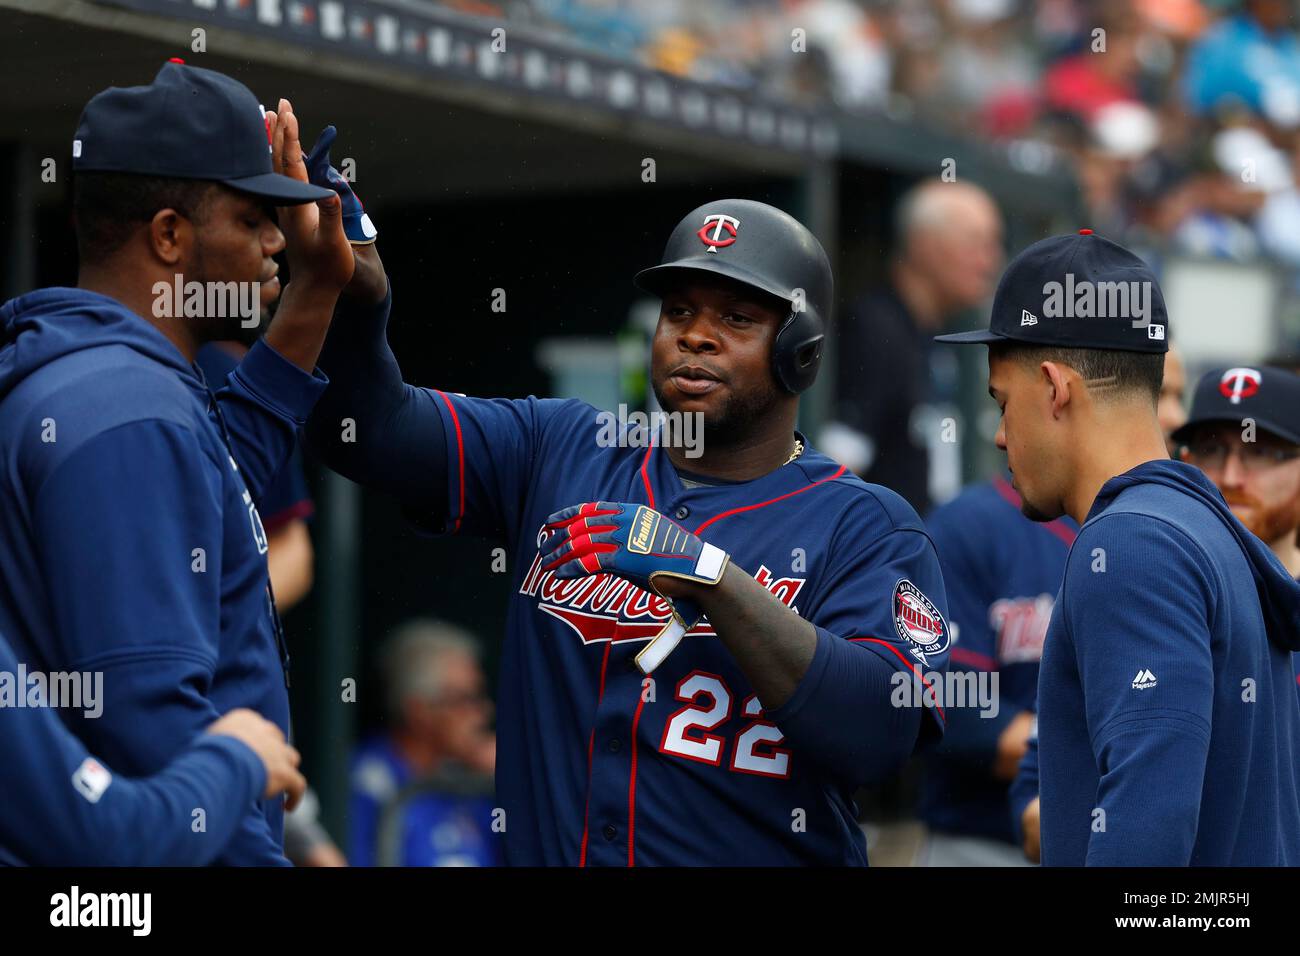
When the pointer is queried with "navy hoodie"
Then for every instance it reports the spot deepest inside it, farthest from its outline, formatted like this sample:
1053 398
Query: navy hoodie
130 541
1168 720
64 808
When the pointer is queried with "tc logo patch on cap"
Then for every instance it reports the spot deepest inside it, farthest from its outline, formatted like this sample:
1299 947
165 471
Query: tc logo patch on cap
1239 383
918 621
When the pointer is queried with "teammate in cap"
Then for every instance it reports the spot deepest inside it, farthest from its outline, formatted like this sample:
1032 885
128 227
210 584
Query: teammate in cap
1167 718
130 541
1243 435
1001 572
807 596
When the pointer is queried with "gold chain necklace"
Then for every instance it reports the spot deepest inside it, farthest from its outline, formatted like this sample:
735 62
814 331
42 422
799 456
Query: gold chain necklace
798 450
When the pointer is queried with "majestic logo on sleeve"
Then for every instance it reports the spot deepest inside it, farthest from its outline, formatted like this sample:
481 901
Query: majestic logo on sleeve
713 238
1145 680
1239 383
605 607
918 621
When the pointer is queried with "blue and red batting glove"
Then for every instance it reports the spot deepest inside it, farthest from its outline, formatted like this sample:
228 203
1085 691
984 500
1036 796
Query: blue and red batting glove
633 541
356 224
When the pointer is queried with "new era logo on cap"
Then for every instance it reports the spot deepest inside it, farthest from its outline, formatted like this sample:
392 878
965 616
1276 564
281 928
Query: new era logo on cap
1027 318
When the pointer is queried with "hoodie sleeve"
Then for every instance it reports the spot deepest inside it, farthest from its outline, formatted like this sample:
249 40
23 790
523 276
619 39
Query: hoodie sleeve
64 808
148 621
1143 654
264 402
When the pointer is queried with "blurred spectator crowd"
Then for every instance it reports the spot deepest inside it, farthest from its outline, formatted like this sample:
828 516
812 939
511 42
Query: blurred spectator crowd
1180 117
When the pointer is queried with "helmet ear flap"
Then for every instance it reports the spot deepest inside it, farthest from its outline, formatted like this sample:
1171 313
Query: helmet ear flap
797 352
806 355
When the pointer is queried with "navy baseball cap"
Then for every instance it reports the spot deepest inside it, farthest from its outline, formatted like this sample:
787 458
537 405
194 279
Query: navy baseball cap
1268 396
1076 291
190 123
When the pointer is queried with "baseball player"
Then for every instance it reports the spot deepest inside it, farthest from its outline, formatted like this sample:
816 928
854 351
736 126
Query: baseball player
1259 478
130 543
1244 433
807 596
1167 718
1001 572
63 807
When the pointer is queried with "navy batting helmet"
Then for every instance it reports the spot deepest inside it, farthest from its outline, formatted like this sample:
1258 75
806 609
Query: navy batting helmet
761 246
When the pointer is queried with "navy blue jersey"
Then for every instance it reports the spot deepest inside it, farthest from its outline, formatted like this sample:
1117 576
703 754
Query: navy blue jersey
1001 572
1168 719
596 767
596 764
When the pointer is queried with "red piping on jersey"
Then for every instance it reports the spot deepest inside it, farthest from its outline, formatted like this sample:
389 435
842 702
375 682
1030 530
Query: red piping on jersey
1012 498
974 658
645 478
591 744
764 504
460 456
631 787
302 510
910 665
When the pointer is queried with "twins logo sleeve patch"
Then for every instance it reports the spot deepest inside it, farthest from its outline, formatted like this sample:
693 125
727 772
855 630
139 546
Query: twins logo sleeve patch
918 621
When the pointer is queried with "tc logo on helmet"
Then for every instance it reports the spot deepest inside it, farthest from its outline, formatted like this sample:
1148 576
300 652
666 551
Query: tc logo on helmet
719 222
1239 383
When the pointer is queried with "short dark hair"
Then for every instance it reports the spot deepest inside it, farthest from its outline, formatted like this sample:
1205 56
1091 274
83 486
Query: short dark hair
108 207
1128 372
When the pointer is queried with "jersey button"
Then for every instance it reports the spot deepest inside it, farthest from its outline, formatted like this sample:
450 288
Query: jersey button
614 745
682 512
610 831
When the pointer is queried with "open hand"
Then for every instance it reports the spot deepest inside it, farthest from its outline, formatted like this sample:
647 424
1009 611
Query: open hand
316 246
